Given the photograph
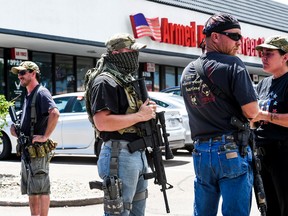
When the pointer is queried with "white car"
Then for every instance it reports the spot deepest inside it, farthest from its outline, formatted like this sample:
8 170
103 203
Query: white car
75 134
173 101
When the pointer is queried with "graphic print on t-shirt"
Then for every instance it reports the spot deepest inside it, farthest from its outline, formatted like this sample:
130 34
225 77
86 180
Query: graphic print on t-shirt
198 91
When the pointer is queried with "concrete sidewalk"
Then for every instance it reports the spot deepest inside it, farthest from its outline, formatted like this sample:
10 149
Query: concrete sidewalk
69 183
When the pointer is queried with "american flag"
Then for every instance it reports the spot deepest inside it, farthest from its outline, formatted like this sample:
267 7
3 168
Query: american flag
143 27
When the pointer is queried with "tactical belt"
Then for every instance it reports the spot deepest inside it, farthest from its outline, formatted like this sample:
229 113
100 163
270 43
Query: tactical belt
122 144
222 138
139 144
136 145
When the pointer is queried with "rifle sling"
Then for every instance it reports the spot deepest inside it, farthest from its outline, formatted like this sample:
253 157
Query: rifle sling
33 111
214 88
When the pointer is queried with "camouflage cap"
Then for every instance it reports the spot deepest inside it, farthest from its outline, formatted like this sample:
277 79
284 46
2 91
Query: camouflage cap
274 42
123 40
26 65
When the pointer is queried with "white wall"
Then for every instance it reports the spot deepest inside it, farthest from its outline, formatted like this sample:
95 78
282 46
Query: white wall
97 20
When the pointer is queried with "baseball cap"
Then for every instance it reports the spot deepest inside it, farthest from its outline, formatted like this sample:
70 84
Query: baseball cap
26 65
219 23
123 40
274 42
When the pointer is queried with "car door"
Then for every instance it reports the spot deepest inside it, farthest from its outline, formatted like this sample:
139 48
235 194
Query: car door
77 131
62 103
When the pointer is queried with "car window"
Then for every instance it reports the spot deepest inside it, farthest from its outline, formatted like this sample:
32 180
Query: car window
177 92
79 105
174 90
160 103
61 103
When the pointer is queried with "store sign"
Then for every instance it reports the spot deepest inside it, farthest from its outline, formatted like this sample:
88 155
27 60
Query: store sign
255 78
17 53
149 67
181 35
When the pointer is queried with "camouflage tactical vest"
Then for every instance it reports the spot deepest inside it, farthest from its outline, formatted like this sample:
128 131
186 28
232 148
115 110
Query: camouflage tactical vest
132 97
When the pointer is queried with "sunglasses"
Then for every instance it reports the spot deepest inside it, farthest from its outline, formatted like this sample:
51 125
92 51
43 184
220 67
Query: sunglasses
232 36
23 72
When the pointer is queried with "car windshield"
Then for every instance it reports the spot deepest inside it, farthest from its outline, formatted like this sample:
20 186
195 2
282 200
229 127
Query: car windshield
61 103
70 104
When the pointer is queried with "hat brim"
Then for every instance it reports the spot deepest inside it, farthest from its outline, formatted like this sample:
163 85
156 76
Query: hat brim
16 70
138 46
267 46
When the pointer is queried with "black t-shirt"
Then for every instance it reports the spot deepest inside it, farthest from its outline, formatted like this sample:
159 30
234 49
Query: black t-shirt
208 114
44 102
106 94
273 97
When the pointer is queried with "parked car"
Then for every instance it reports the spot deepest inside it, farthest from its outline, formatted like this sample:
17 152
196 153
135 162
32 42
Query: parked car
75 134
174 90
172 101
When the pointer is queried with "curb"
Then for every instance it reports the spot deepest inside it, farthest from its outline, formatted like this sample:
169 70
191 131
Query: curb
58 203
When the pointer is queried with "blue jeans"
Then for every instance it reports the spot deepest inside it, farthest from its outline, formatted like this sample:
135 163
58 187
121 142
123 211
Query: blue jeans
131 168
222 173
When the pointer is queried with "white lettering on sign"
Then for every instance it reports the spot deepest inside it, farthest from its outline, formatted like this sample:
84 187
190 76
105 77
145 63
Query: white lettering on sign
21 53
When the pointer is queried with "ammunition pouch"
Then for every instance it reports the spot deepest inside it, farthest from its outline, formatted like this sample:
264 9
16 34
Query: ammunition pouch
22 141
115 206
113 201
41 149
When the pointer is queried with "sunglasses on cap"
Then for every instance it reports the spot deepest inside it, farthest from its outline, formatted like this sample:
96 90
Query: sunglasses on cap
232 36
23 72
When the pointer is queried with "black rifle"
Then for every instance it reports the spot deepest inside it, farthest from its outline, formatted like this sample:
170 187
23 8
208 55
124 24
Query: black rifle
258 184
151 131
256 165
22 140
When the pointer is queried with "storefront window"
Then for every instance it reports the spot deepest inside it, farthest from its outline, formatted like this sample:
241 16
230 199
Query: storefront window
169 76
83 64
44 61
156 78
180 71
65 80
2 82
15 90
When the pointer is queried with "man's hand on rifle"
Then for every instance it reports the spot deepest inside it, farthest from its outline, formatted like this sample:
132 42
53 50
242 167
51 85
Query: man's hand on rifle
148 110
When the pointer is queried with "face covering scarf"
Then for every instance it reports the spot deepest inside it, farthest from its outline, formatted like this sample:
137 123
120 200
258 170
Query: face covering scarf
125 63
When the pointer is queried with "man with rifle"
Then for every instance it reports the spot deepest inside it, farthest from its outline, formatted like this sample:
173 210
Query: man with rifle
127 125
38 120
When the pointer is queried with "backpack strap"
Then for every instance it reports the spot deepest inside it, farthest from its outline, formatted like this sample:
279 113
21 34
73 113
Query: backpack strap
33 111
